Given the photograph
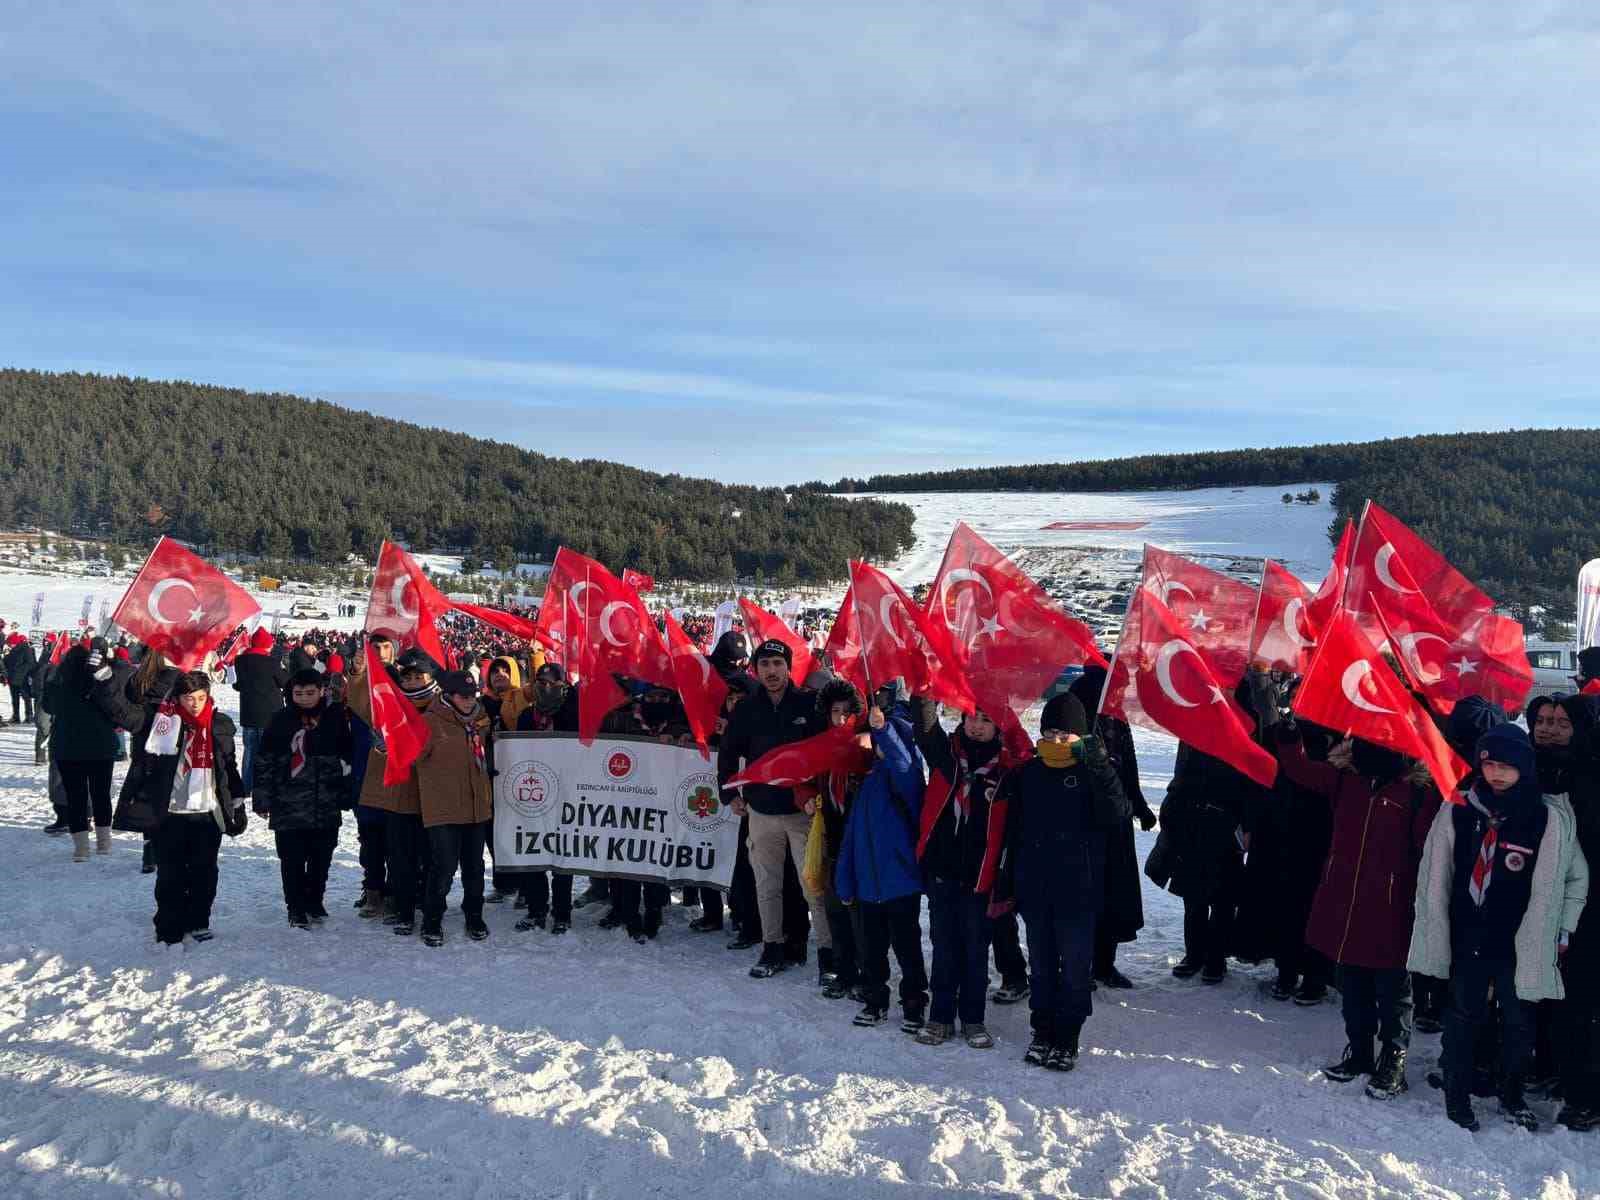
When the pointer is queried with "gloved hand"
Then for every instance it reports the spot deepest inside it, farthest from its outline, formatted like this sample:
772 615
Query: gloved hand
1091 748
99 668
1147 819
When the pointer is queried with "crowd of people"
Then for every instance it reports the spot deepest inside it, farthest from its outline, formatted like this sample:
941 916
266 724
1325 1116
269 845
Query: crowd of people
1467 918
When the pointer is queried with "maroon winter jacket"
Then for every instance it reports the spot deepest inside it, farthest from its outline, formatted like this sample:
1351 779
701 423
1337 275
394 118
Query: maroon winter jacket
1362 913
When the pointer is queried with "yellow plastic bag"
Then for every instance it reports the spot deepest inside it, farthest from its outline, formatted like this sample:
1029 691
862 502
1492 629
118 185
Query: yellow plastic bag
814 872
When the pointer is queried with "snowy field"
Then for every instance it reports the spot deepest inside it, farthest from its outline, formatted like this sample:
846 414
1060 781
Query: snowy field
344 1062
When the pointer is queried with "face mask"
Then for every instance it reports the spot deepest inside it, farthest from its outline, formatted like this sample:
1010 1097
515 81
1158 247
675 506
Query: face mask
1057 754
549 696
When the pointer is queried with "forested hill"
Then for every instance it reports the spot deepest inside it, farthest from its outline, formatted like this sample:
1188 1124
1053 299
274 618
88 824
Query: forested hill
127 459
1518 512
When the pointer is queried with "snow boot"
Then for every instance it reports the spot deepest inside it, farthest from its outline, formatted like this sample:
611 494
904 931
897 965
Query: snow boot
825 972
1514 1107
706 925
911 1020
771 962
1389 1078
934 1033
1113 978
612 920
371 904
102 839
652 923
1062 1058
1038 1052
1579 1120
1214 973
1311 994
299 920
530 922
869 1016
202 935
1187 968
559 927
57 827
978 1037
80 846
147 859
1009 992
432 935
1283 988
839 988
476 929
1458 1107
1355 1062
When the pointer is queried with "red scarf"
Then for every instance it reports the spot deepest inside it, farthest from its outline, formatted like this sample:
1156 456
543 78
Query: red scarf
198 752
297 744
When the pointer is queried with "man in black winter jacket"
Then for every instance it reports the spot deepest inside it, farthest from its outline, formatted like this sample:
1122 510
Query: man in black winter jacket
259 677
20 661
777 714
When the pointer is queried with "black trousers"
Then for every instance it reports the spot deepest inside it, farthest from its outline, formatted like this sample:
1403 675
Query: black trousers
958 920
742 908
627 896
452 847
21 700
549 893
1207 928
1578 1031
1060 954
1006 940
844 923
186 874
304 856
709 899
88 786
374 854
1377 1002
405 845
1470 984
894 925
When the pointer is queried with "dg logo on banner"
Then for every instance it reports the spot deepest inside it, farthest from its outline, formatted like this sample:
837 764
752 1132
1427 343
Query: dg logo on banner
533 789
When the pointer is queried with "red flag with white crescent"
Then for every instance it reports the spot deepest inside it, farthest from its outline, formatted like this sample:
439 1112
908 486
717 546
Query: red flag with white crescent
898 640
405 605
795 763
701 688
181 605
764 627
1284 635
1351 690
1392 563
1215 611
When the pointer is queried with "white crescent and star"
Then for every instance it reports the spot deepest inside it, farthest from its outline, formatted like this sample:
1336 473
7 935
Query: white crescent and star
964 575
575 594
1174 585
1408 647
605 622
1380 564
1354 676
1291 624
887 620
161 589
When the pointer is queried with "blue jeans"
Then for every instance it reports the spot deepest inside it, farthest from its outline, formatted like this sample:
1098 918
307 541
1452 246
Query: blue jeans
1060 959
1470 980
1377 1002
958 920
247 773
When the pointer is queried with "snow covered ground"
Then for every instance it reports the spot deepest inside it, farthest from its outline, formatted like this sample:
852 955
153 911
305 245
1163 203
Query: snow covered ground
346 1062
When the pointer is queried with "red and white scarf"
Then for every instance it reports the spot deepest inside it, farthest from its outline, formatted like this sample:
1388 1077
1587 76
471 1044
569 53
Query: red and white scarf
1483 866
192 788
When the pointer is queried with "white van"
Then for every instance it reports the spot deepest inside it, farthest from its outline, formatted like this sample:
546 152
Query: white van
1555 666
308 610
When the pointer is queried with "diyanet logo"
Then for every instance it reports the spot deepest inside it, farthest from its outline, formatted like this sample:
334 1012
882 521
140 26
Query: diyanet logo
619 765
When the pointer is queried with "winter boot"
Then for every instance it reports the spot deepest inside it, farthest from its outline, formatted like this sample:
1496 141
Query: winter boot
1458 1107
432 933
1188 967
771 962
80 846
978 1037
1579 1120
839 988
476 929
705 925
825 971
1009 992
530 922
869 1016
298 919
1062 1058
1113 978
1216 971
403 924
147 859
1311 994
934 1033
371 904
612 920
652 922
1514 1107
1355 1062
1038 1052
911 1021
1283 988
1389 1078
57 827
102 839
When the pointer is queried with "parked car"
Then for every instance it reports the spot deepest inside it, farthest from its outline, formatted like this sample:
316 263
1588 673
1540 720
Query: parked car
308 610
1555 666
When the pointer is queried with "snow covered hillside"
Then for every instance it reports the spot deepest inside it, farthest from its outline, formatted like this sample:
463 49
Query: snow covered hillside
346 1062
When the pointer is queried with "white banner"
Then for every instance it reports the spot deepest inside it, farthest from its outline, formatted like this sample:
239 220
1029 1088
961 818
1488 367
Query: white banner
625 806
88 607
38 608
1589 604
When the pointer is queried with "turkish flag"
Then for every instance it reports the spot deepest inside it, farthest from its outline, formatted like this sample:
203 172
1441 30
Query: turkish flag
898 639
795 763
1216 612
1284 635
765 627
844 645
1405 573
1485 657
1011 639
181 605
405 605
1331 594
1161 679
1351 690
701 688
638 580
559 626
618 637
396 720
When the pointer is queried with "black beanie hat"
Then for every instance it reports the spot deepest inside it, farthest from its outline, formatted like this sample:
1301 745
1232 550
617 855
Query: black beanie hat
457 683
1064 712
773 648
417 660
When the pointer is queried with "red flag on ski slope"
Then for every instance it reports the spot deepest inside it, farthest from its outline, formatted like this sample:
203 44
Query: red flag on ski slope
1350 689
795 763
1486 657
181 605
764 626
700 687
619 637
1407 575
1161 679
1008 635
898 640
405 605
1216 612
497 618
395 720
1284 634
844 645
638 580
559 626
1331 594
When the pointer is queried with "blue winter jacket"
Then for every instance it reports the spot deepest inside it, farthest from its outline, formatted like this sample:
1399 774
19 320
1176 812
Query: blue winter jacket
878 857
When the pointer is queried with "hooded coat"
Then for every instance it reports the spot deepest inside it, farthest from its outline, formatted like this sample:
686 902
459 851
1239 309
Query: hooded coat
878 853
77 703
1555 883
452 781
1123 916
259 678
304 785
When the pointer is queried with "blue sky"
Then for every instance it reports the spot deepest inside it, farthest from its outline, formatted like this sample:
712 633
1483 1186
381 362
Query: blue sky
774 242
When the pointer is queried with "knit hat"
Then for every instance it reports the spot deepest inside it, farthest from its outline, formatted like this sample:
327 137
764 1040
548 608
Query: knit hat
457 683
1510 744
419 661
773 648
262 640
1589 662
1470 720
1066 713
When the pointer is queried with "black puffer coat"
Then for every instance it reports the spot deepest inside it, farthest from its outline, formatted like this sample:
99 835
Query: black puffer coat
76 701
308 789
1123 915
